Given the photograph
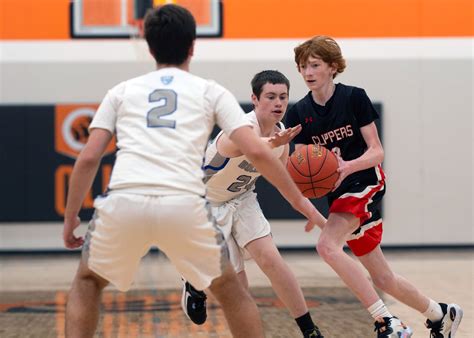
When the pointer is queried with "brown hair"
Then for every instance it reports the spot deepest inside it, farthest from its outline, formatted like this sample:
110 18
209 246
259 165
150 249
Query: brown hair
323 47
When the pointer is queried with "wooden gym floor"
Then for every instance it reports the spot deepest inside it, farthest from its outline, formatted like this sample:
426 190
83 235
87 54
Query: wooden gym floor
33 292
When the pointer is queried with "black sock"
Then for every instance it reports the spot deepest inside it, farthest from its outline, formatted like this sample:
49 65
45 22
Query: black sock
305 322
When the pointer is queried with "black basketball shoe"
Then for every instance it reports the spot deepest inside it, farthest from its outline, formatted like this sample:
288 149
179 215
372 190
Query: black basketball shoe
313 333
193 303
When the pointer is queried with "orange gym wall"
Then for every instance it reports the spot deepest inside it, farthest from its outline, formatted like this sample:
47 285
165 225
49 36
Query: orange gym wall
49 19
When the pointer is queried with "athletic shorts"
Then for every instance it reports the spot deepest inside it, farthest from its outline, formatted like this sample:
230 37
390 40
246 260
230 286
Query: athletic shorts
241 220
125 226
362 201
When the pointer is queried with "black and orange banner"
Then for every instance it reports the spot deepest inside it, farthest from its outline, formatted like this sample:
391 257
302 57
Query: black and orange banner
39 145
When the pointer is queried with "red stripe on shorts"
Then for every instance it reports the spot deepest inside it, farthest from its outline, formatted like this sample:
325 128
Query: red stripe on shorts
356 203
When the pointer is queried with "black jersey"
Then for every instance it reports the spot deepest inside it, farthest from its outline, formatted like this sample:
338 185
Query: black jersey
336 126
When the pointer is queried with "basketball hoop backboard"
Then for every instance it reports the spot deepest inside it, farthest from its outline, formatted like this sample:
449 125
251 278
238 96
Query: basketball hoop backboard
119 18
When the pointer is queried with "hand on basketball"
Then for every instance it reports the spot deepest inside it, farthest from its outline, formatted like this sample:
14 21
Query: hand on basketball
344 170
70 240
284 136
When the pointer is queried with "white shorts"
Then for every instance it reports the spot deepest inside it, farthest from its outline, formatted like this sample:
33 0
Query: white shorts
241 220
126 225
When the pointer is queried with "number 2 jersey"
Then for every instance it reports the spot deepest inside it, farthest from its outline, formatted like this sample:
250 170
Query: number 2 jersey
162 121
336 126
227 178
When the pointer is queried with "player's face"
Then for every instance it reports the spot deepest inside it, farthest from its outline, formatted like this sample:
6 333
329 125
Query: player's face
316 73
273 101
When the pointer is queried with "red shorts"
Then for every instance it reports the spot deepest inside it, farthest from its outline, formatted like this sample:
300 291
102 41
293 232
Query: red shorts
363 202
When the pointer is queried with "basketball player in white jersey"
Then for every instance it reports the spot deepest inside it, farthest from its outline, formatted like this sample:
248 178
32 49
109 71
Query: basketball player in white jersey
230 180
162 121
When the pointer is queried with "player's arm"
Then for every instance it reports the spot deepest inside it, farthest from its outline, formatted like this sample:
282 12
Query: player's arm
227 148
372 157
273 170
83 174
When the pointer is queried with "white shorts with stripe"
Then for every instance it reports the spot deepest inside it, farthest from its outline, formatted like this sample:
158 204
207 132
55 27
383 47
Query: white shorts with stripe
241 220
125 226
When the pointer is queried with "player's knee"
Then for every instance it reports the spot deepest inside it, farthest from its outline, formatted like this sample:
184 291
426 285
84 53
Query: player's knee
227 287
267 261
328 250
226 281
89 279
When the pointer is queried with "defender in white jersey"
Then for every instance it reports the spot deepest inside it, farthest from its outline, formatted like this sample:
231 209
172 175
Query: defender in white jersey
162 121
230 180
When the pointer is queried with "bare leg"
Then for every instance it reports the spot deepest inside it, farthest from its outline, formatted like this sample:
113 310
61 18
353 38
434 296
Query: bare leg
266 255
82 309
243 278
330 248
393 284
239 308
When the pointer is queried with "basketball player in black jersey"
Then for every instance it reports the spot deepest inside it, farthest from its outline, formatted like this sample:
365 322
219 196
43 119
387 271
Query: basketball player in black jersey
341 118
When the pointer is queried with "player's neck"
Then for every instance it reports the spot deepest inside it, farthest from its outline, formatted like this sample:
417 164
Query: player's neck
184 66
266 127
323 94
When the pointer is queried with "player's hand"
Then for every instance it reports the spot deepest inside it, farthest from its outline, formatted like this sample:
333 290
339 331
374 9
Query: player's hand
305 207
70 240
344 170
284 136
320 223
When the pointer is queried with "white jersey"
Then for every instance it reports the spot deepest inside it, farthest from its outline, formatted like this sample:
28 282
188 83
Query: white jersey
227 178
162 122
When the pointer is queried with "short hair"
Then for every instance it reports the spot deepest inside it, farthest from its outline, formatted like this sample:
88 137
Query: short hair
170 31
268 76
323 47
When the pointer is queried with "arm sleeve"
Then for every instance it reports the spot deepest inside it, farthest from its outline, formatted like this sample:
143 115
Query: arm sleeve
106 115
364 110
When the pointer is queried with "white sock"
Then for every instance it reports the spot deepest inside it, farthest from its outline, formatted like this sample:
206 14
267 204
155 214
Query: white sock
379 310
434 311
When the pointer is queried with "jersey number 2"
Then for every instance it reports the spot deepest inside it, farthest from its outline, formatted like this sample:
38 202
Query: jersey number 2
169 102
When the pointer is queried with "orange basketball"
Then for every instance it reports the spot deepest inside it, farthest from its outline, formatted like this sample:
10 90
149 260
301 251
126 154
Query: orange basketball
314 170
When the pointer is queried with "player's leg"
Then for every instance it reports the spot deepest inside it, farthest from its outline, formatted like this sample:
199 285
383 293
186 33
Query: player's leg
284 283
193 301
82 309
386 280
239 308
243 278
330 247
442 318
198 250
115 242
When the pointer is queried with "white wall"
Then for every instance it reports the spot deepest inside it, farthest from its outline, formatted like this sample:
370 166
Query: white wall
424 85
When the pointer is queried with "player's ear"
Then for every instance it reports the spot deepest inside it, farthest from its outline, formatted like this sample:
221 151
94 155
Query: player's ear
254 100
191 49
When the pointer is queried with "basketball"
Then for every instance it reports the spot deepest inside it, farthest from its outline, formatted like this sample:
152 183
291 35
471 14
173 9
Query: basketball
314 170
